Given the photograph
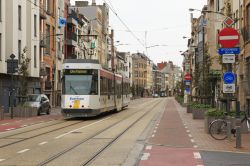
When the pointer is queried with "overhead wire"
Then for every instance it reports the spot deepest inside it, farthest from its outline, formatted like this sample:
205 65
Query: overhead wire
126 26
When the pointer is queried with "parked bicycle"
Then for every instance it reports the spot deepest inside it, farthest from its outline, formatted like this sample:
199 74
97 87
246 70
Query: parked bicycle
218 127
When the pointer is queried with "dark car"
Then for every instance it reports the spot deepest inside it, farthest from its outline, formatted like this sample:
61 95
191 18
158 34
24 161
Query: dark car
39 101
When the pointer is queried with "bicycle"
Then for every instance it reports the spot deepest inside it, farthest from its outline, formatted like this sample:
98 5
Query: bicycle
218 127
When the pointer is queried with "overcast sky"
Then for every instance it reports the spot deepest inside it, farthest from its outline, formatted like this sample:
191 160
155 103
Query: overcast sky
166 22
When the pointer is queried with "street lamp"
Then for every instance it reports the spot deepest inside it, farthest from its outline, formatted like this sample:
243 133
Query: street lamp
205 11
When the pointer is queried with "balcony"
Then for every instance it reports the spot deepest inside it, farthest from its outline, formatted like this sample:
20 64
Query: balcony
42 11
48 85
71 39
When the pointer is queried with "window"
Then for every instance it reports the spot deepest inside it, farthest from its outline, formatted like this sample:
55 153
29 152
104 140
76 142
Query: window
19 51
0 46
48 6
218 6
35 57
53 37
0 10
19 17
248 21
47 38
35 28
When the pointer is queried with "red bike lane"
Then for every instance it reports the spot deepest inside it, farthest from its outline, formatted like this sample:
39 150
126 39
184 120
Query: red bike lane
170 143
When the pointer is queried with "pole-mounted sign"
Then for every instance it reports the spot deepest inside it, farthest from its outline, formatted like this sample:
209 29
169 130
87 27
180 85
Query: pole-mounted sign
228 37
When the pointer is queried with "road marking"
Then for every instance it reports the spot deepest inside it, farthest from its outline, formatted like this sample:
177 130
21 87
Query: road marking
153 135
195 146
157 124
4 124
60 136
190 135
24 125
186 127
149 147
2 160
22 151
10 129
229 37
42 143
199 165
192 140
197 155
154 131
188 131
145 156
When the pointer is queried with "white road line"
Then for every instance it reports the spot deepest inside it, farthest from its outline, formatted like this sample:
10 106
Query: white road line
145 156
2 160
157 124
199 165
192 140
156 127
188 131
42 143
153 135
190 135
154 131
22 151
195 146
149 147
60 136
186 127
10 129
197 155
4 124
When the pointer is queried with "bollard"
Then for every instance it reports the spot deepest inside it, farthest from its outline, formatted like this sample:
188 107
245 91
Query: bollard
228 127
238 133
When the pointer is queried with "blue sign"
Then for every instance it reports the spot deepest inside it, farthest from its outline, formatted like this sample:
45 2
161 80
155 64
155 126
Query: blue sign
187 90
62 22
235 50
228 77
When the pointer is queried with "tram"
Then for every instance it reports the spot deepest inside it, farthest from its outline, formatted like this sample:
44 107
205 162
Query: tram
89 90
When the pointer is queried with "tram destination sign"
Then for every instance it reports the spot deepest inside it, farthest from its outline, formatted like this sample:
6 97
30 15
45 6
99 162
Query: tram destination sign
235 50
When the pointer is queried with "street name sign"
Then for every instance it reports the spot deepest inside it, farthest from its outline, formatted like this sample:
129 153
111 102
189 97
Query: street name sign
228 58
188 82
228 77
235 50
228 88
228 37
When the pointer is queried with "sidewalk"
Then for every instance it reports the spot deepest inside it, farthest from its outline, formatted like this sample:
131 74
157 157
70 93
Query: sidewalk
11 124
178 140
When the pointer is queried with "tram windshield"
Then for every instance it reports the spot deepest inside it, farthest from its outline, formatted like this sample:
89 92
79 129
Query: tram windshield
80 84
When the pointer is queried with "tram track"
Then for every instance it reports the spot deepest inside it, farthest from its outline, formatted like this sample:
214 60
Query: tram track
25 139
95 155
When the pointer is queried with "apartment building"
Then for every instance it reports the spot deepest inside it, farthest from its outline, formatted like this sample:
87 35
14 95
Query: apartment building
98 16
139 76
19 35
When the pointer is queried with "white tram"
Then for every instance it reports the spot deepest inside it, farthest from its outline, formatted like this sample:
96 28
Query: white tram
89 90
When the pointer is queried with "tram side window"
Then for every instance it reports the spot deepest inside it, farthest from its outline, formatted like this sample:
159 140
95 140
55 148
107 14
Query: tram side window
94 86
104 86
110 88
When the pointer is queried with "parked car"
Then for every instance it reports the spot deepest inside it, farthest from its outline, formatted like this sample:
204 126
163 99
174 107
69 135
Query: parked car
39 101
155 95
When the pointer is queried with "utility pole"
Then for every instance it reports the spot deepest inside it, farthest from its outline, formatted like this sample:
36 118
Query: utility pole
113 61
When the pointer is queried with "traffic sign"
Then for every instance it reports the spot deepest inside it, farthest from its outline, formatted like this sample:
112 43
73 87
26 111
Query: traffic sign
228 37
187 91
187 77
228 88
228 58
188 82
228 77
235 50
228 21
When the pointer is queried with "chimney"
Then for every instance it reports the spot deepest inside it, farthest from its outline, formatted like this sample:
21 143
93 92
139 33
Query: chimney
93 3
81 3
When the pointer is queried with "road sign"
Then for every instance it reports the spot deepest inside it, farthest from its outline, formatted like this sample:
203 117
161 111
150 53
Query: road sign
12 65
228 77
235 50
228 21
228 88
228 58
228 37
188 82
187 91
187 77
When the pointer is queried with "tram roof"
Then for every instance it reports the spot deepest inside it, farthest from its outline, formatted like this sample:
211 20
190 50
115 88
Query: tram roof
81 64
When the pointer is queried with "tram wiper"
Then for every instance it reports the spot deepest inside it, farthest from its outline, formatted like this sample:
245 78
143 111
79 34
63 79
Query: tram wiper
71 87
